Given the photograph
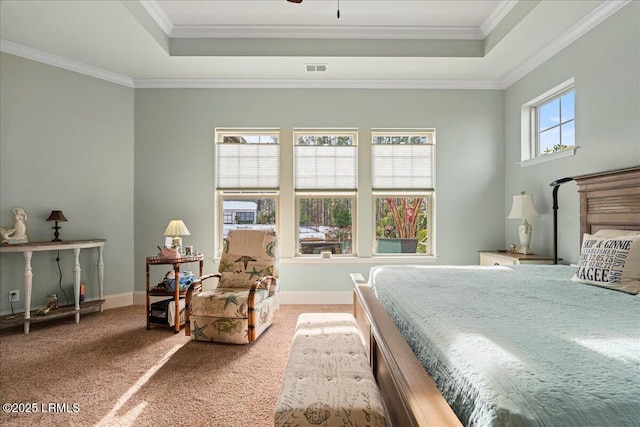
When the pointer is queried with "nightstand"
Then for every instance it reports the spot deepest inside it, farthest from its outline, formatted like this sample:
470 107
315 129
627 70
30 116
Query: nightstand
509 258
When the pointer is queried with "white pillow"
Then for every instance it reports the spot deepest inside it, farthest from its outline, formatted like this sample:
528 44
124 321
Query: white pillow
617 233
611 262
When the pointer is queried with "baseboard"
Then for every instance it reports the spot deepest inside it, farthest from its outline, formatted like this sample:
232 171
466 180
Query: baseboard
286 297
290 297
139 298
118 300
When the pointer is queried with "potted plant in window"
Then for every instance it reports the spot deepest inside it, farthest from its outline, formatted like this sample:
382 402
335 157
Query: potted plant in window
402 237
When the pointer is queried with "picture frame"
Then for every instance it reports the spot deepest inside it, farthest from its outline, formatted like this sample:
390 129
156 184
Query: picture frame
188 250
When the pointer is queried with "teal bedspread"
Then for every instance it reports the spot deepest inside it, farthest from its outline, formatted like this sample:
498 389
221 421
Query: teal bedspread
521 345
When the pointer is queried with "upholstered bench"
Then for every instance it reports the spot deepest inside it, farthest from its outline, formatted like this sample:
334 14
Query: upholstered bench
328 379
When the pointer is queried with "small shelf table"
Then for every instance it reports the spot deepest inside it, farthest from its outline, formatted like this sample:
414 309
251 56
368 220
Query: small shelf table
176 263
509 258
29 248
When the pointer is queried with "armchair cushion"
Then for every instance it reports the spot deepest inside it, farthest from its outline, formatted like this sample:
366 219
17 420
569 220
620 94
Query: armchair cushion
225 302
241 271
232 329
244 261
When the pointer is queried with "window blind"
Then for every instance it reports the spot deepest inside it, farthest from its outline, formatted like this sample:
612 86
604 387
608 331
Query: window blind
326 167
402 167
255 166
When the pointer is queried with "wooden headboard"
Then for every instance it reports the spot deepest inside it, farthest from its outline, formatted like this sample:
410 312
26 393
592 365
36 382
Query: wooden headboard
609 200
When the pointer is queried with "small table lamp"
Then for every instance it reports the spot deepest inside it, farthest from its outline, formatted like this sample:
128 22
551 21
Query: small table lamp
56 216
523 208
176 228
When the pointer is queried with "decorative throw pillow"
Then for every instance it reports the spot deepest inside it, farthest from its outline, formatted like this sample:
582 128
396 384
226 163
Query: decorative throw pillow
612 262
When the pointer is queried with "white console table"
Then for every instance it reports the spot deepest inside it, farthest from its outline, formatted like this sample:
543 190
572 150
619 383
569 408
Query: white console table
29 248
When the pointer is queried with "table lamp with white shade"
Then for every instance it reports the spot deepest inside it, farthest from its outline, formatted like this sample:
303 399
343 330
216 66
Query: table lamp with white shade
175 229
524 209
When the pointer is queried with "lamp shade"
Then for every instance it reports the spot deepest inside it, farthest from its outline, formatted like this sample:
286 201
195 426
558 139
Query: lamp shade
523 207
57 216
176 228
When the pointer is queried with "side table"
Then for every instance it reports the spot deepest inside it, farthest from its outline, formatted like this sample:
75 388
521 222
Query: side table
176 263
509 258
28 249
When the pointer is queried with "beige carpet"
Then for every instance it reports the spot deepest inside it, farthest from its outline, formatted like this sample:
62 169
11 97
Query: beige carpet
108 370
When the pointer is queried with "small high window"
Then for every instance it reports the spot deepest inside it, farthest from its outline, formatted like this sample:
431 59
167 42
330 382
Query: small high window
548 125
555 119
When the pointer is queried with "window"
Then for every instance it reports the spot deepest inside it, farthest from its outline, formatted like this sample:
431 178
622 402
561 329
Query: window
325 224
403 170
247 159
401 223
247 179
325 180
555 120
548 125
248 210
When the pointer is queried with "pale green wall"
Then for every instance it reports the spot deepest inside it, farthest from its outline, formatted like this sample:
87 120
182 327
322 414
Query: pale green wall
70 140
606 65
174 166
66 142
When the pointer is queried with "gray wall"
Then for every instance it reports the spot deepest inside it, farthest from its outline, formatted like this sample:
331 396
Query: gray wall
174 166
66 143
606 65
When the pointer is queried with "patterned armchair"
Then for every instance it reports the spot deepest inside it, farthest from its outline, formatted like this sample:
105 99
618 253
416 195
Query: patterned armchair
247 297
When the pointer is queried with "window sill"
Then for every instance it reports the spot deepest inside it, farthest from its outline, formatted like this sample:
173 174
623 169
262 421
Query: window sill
401 260
420 259
548 157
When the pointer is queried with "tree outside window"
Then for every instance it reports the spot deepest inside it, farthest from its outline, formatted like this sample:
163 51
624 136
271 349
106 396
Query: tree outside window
402 224
325 225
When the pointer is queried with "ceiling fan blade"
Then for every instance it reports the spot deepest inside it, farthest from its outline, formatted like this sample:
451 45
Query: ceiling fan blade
294 1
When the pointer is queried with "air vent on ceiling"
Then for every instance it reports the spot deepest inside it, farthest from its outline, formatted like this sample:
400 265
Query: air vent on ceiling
315 68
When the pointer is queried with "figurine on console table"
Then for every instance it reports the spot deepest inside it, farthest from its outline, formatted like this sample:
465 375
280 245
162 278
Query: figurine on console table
17 234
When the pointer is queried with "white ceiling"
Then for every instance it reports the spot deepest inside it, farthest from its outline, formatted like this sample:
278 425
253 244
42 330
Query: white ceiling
180 15
266 43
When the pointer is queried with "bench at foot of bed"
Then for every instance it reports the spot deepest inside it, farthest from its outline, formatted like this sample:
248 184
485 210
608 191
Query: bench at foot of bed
328 380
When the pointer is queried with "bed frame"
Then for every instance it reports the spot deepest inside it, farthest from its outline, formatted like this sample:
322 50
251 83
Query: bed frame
607 200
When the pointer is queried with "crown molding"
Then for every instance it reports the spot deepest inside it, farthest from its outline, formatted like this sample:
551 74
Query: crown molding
324 32
64 63
314 84
496 16
158 15
310 31
599 14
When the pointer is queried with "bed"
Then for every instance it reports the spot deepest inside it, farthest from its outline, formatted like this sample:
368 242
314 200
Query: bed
471 378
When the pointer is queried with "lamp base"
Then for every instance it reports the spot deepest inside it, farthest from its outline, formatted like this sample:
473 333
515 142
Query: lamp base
524 232
56 234
176 242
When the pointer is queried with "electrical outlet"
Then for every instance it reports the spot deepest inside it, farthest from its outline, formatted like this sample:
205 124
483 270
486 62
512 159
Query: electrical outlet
14 296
